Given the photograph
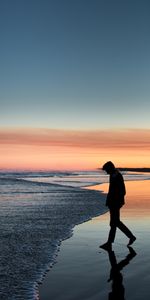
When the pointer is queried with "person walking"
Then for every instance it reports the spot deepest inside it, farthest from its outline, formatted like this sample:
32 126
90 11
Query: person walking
114 201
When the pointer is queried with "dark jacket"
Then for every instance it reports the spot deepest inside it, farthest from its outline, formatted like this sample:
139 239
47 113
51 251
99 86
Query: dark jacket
117 191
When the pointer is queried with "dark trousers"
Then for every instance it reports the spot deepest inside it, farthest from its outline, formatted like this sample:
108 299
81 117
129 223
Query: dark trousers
114 223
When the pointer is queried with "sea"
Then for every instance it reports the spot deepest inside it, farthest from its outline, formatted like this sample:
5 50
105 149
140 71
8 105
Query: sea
38 210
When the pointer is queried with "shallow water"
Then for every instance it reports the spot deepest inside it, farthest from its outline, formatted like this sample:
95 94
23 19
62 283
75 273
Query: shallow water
83 269
35 217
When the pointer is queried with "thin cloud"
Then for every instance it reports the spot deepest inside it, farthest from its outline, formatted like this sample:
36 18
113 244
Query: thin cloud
100 139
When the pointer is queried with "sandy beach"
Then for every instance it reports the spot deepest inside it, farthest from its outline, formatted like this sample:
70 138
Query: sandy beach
83 269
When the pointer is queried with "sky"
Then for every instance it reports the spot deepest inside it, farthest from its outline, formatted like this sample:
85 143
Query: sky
80 68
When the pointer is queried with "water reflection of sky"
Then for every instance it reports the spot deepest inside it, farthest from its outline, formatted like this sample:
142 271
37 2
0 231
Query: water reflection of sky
137 200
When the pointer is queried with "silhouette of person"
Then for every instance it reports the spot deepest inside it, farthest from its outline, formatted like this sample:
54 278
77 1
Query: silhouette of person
118 290
114 201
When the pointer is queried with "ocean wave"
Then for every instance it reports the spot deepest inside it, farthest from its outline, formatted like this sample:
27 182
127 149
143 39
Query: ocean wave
32 227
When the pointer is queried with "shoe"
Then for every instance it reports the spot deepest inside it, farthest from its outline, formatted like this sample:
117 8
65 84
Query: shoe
132 240
106 246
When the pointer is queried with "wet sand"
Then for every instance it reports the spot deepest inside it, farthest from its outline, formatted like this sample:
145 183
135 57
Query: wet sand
83 269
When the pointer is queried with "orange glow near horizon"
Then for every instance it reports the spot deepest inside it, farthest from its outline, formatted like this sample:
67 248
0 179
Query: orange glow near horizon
137 204
72 150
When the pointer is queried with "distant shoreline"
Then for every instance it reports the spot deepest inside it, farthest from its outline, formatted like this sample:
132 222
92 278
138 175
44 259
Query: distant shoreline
135 169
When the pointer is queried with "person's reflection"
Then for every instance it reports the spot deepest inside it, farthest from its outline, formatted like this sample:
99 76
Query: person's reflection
118 290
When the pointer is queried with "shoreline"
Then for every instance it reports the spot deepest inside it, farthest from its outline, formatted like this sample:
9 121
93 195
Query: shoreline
35 217
80 256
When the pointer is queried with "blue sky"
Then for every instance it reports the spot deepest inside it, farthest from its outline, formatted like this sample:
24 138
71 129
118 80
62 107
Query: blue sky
75 64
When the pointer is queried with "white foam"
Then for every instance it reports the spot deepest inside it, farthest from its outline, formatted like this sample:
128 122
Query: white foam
35 218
